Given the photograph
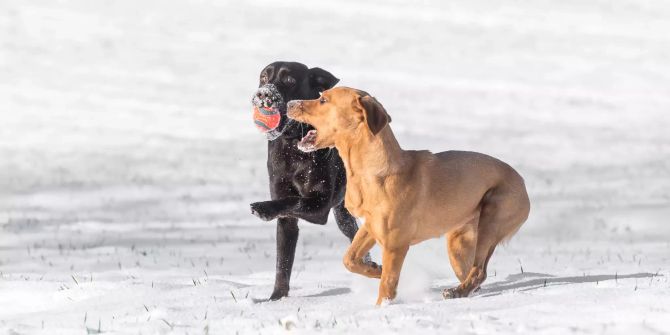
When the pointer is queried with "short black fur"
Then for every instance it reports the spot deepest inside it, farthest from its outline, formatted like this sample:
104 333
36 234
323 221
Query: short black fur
302 185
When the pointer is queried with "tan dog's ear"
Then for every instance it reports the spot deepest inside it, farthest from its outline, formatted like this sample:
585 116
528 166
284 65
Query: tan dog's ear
375 114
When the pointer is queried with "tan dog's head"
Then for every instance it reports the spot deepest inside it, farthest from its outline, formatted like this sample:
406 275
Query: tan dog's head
339 112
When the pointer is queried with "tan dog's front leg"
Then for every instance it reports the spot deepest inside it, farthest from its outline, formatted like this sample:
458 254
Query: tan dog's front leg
392 260
353 258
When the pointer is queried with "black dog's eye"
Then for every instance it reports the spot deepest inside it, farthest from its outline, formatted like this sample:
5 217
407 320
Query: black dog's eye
322 100
289 81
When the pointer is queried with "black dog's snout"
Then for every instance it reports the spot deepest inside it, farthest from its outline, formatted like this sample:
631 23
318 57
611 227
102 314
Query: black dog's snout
268 95
263 95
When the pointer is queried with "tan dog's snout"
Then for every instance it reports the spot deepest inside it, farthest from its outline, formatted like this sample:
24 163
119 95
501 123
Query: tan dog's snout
295 108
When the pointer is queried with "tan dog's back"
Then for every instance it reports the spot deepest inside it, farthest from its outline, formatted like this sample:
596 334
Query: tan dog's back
445 190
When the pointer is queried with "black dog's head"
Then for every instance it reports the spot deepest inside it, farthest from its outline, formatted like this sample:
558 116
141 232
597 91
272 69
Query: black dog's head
281 82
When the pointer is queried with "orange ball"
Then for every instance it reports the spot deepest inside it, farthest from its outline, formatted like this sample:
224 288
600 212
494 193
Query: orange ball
266 119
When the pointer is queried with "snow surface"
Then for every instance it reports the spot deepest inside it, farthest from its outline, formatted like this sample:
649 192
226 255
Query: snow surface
128 159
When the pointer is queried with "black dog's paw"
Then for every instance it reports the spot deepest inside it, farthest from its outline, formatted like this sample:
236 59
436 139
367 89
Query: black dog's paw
278 294
367 259
264 210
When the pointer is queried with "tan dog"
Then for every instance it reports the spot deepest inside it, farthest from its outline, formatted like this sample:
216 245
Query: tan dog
407 197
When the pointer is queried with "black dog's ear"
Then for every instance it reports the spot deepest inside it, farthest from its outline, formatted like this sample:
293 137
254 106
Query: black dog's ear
375 114
321 79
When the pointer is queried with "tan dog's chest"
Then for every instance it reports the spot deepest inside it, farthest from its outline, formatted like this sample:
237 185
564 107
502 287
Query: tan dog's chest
362 196
386 207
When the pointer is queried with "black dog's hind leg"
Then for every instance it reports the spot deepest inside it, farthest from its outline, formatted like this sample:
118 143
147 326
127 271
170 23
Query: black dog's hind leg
314 210
287 239
345 221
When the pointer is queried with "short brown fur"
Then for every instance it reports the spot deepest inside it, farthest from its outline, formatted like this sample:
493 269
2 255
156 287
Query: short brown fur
407 196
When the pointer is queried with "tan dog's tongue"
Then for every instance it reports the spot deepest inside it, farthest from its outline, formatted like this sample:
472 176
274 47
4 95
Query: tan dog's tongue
308 143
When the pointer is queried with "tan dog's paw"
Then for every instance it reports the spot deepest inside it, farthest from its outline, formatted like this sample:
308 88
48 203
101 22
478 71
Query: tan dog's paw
452 293
374 270
386 302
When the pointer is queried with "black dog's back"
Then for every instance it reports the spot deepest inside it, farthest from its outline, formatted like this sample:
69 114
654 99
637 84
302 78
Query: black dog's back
302 185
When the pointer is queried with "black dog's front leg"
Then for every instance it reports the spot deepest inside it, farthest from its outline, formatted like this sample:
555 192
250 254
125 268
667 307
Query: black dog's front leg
287 239
345 221
348 226
314 210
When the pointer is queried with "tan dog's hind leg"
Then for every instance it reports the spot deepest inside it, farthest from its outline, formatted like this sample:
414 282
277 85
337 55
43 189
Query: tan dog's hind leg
461 244
392 260
475 277
503 211
353 258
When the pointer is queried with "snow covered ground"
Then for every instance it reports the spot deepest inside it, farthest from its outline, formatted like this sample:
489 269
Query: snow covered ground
128 159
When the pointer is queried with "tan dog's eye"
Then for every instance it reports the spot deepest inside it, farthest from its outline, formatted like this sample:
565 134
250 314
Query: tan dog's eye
322 100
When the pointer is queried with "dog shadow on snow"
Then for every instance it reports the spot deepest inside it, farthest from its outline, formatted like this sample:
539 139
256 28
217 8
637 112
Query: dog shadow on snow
528 281
327 293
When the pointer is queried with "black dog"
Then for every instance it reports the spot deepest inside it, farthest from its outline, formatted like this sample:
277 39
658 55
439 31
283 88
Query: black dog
302 185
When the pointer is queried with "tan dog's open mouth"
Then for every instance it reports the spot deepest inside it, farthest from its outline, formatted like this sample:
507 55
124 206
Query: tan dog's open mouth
308 142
